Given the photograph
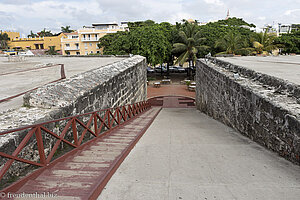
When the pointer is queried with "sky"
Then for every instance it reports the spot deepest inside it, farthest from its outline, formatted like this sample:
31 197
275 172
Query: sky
26 15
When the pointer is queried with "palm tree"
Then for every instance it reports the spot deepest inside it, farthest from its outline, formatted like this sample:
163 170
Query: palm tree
45 33
51 51
3 40
66 29
32 35
232 44
263 42
189 45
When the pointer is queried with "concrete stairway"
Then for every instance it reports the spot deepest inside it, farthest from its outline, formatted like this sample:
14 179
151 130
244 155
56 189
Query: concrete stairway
84 175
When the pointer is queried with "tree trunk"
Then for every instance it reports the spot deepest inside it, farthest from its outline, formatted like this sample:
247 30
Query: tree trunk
168 73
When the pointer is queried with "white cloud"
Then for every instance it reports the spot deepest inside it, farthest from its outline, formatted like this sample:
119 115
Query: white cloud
214 2
289 12
262 18
26 15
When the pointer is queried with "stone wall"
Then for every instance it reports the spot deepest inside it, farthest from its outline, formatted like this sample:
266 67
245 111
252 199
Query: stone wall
113 85
261 107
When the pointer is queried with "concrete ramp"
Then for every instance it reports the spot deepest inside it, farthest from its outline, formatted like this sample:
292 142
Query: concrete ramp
187 155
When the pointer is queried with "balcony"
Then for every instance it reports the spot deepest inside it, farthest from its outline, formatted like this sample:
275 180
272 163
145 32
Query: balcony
72 48
90 39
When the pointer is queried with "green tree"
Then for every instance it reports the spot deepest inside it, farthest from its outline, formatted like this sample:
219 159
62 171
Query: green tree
116 43
3 40
66 29
144 38
231 43
151 41
189 45
264 42
45 33
32 35
215 30
51 51
290 42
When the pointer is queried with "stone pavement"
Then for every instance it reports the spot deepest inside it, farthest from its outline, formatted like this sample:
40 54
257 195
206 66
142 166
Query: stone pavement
15 83
284 67
187 155
167 90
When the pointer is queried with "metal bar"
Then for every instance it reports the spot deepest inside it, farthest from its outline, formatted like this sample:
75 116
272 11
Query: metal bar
20 159
102 124
85 130
62 71
95 124
16 152
57 137
108 118
122 112
60 137
74 132
118 116
40 145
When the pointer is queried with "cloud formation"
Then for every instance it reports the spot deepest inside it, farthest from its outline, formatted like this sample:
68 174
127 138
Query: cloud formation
26 15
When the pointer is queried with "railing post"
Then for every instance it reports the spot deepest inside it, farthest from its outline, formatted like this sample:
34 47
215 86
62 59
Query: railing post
95 123
118 116
74 131
108 118
62 71
39 140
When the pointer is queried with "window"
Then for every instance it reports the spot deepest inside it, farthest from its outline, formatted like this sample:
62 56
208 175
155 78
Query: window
98 51
42 46
85 44
67 45
77 53
91 44
77 45
92 52
74 36
36 46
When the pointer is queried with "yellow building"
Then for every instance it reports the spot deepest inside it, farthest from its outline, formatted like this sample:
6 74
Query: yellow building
12 35
36 43
85 40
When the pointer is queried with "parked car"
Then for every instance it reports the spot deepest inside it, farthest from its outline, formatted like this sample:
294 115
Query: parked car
171 69
150 70
179 69
158 69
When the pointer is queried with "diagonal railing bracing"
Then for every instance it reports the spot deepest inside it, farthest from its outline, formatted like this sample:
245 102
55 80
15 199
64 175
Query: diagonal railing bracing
72 131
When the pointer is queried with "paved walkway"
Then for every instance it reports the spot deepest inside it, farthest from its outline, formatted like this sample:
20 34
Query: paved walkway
187 155
167 90
285 67
19 82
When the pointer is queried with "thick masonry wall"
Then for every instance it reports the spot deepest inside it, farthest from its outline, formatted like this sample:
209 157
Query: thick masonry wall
261 107
113 85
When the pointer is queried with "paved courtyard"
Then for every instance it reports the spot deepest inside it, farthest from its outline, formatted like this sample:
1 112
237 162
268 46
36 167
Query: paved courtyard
169 90
285 67
187 155
13 81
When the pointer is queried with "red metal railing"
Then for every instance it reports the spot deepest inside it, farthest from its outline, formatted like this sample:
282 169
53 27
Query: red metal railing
93 124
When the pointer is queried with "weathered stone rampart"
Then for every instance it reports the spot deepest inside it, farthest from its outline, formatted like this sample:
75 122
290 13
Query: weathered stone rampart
264 108
113 85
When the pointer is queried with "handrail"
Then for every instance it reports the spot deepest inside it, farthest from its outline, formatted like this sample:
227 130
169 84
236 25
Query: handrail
94 124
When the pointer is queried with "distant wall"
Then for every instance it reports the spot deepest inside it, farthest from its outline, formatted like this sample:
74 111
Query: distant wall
113 85
261 107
